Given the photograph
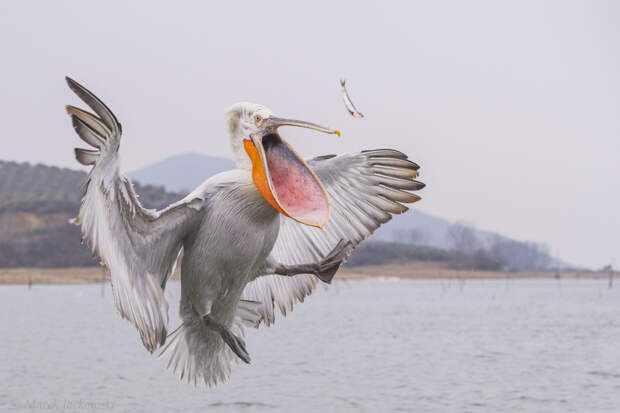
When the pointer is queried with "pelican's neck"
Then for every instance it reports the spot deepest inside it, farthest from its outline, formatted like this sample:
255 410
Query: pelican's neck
240 156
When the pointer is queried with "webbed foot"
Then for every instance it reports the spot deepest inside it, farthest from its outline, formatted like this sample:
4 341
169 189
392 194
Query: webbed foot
329 265
236 344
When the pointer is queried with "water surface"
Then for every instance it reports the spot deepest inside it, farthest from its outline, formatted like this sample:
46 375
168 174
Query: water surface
372 345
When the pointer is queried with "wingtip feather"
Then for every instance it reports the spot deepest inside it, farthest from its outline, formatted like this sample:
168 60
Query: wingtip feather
86 156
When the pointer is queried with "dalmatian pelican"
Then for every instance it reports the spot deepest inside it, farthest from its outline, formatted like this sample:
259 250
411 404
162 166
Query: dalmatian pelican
253 239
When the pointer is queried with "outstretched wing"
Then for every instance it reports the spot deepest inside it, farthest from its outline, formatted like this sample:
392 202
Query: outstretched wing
138 246
364 189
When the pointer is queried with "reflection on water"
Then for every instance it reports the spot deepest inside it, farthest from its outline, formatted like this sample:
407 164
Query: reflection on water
373 345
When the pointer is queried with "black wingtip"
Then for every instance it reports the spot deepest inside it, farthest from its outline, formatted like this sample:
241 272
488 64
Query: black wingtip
418 185
390 153
73 85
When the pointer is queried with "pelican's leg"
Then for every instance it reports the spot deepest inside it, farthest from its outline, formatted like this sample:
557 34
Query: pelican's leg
324 269
236 344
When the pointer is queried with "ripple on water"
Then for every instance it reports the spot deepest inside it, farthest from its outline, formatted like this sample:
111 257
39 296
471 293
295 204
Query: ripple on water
604 374
243 405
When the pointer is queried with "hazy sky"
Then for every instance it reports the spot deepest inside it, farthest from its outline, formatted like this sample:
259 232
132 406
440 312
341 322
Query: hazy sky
512 109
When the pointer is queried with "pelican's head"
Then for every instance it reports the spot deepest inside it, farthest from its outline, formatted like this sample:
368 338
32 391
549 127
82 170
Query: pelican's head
282 177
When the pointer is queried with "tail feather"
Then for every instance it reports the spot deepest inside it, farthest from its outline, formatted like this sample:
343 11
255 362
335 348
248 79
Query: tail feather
197 353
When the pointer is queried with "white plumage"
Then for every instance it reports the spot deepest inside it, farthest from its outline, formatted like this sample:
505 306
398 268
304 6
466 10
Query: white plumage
247 248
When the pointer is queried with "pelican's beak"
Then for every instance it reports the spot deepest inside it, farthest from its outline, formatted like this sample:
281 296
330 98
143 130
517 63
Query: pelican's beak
274 123
283 177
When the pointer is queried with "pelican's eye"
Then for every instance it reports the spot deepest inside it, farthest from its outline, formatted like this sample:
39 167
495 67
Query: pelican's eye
258 119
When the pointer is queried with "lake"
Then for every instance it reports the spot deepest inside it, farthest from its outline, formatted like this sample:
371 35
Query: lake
380 345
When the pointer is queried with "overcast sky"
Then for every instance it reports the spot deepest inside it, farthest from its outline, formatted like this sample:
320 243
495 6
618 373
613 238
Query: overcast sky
511 109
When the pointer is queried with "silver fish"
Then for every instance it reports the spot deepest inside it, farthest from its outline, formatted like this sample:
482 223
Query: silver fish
348 103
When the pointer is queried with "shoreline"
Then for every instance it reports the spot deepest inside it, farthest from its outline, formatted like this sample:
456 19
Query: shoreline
414 270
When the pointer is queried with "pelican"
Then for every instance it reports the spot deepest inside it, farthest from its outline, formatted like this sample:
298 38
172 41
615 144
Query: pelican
254 239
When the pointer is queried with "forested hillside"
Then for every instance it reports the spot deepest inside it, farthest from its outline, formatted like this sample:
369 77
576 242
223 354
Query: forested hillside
36 203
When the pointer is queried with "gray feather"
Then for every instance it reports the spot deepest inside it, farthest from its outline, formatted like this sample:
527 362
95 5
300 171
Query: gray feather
97 105
388 153
396 162
87 134
86 156
395 172
91 120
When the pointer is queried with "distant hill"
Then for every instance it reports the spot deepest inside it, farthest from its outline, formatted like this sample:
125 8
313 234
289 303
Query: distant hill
23 185
418 227
182 172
